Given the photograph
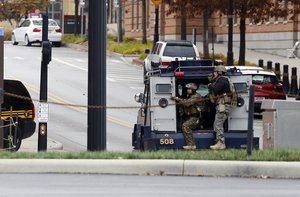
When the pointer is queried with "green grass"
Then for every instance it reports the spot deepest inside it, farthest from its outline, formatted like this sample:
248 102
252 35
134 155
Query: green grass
71 38
229 154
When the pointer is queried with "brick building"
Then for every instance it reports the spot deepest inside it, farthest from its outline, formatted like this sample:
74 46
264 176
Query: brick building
273 36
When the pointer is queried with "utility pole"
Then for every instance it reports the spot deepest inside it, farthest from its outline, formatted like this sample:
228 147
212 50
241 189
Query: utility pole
43 105
230 33
96 139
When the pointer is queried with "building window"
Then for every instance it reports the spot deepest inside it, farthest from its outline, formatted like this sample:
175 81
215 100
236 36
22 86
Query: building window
285 7
235 20
147 14
268 20
251 21
220 20
276 17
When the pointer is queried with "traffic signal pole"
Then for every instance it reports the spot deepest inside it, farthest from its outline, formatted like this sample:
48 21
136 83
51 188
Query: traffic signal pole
96 139
43 106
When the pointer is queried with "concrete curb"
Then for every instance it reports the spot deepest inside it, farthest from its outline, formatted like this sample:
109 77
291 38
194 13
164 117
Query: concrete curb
289 170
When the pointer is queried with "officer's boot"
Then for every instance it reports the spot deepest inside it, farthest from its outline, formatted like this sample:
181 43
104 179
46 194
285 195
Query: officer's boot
218 146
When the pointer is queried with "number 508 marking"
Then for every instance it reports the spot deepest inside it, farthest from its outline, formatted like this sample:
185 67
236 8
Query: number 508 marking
166 141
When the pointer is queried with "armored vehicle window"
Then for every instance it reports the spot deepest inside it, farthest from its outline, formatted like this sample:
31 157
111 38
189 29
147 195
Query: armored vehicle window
163 88
240 87
202 89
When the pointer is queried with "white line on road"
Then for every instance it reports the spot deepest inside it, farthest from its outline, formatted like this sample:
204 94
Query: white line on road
70 65
18 58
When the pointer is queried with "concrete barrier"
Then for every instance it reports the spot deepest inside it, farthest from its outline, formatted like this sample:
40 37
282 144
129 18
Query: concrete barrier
281 124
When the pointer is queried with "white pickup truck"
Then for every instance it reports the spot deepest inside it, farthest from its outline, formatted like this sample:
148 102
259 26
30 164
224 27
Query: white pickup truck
166 51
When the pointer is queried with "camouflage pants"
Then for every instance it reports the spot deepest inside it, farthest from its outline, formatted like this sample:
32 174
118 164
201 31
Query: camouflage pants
187 127
220 118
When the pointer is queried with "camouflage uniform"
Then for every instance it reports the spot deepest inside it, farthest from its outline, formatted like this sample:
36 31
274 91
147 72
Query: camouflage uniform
193 117
220 88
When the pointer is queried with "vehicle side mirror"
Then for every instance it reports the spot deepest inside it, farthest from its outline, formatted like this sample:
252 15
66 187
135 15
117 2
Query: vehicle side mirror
147 51
139 97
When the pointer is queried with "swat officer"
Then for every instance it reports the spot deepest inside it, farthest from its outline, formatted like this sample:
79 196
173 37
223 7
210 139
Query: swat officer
220 88
191 110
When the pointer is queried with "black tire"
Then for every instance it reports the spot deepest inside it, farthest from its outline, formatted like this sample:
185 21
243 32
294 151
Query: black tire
13 39
27 41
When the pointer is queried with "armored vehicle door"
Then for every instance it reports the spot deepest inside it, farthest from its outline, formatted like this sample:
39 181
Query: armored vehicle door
238 117
163 109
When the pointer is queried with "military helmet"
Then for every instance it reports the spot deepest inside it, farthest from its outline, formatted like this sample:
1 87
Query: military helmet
220 69
192 86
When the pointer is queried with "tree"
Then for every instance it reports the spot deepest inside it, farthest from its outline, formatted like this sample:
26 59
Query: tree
257 11
144 22
15 10
192 9
76 28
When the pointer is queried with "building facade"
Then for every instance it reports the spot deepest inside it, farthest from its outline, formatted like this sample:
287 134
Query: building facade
273 36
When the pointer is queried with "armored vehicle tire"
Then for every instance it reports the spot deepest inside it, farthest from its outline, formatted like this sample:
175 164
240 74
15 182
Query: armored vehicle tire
12 142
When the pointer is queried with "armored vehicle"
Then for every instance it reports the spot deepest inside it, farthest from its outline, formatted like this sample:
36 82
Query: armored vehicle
159 119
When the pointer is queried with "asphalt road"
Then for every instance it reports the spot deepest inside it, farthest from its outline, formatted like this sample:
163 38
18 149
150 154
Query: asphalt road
67 85
49 185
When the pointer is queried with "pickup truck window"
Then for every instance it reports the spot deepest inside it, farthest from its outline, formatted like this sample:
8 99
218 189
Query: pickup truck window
179 51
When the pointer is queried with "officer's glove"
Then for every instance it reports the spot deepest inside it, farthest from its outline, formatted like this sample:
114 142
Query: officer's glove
210 77
174 98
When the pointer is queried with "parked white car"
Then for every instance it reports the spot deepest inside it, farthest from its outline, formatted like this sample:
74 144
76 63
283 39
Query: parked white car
30 31
166 51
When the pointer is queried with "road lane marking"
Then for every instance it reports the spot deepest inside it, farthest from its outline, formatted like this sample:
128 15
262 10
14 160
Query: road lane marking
58 99
70 65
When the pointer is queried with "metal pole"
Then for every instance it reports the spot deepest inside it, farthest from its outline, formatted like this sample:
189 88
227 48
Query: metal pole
250 121
1 83
42 135
97 76
230 33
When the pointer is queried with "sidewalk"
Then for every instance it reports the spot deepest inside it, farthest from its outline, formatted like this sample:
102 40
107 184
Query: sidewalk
31 144
253 56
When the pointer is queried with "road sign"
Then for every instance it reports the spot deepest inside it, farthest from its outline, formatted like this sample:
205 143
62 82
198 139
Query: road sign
156 2
43 112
